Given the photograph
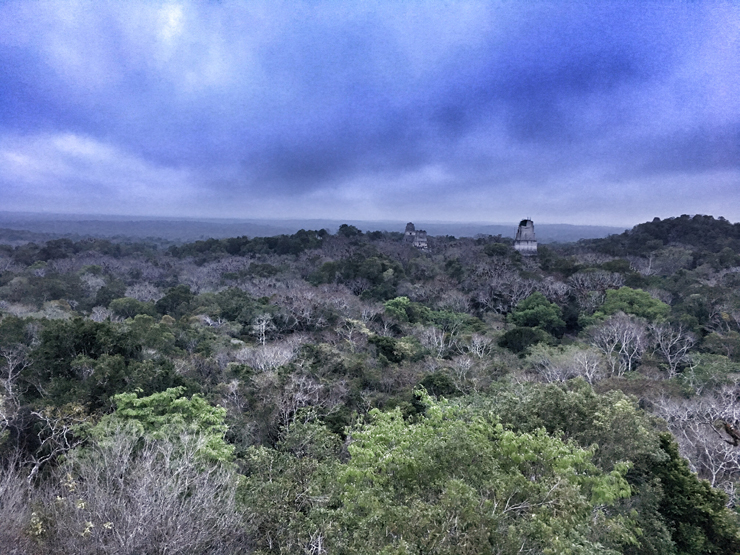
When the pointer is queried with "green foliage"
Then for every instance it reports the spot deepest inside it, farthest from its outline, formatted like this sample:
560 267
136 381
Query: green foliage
497 249
707 371
537 312
612 422
519 340
99 380
634 301
348 231
423 477
406 311
294 244
387 348
55 249
114 289
439 384
64 341
167 415
379 273
286 488
694 512
127 307
620 266
454 269
452 481
152 335
675 512
232 304
81 361
726 258
704 232
399 308
176 302
456 482
15 330
36 290
723 343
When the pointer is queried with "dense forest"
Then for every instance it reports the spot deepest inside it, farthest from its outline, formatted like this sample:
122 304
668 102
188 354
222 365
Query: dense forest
349 394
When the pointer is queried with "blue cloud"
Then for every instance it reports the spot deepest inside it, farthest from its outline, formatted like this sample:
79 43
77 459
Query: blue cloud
277 103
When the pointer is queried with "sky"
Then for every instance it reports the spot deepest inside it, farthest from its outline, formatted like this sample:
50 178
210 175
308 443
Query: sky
598 113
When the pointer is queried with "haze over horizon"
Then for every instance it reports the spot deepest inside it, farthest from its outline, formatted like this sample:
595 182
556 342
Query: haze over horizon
584 113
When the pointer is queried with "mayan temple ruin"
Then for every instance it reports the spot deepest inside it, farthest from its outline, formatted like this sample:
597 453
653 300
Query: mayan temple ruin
417 237
525 241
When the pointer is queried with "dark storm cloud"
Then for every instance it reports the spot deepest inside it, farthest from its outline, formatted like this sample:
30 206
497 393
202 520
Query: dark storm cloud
281 107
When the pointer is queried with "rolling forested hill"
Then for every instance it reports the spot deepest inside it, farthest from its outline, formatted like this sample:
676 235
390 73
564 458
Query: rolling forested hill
348 393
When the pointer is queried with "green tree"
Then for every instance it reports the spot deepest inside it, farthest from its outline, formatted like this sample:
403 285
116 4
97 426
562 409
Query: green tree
694 512
176 302
519 340
537 312
348 231
126 307
168 414
456 481
671 511
634 301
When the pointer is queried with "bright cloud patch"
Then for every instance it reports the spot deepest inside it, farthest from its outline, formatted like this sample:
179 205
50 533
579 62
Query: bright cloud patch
67 171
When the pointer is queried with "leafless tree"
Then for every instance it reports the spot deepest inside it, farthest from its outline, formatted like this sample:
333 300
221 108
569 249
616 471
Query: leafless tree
469 374
15 511
589 364
672 343
704 427
670 260
557 364
92 283
305 306
498 286
144 292
545 364
643 265
433 339
368 312
454 300
623 340
101 314
354 332
203 279
15 360
266 358
58 435
589 288
479 345
261 326
7 264
300 391
555 291
519 290
233 396
125 496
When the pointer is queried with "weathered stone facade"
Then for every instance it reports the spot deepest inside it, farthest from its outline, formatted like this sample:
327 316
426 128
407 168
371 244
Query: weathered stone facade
420 242
410 233
417 237
525 241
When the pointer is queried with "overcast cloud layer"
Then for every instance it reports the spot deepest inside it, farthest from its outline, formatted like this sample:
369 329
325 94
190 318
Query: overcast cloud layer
589 113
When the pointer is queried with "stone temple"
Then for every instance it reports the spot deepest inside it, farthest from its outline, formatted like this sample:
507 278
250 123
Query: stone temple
525 241
417 237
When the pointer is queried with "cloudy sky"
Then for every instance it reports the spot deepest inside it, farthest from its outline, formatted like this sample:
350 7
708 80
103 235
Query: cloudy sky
566 112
